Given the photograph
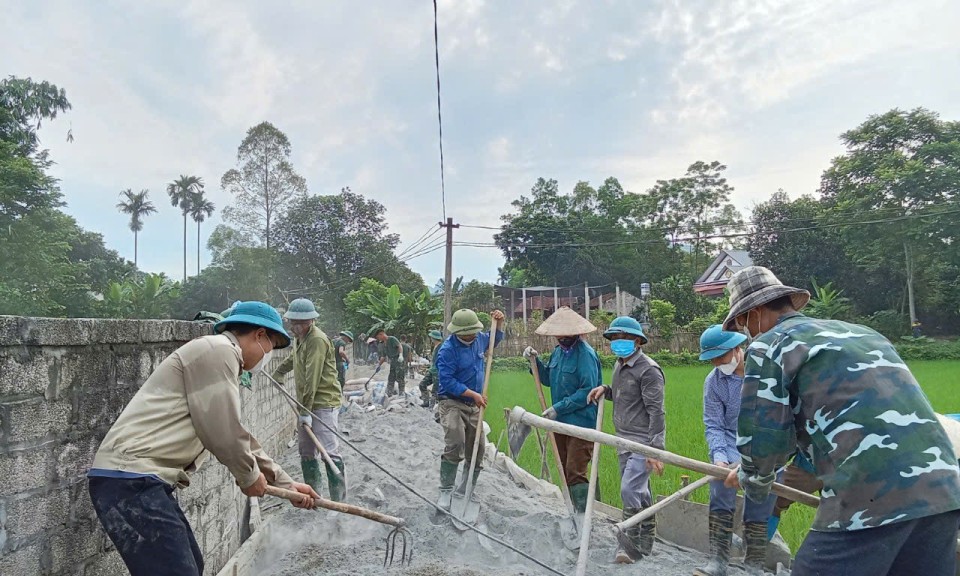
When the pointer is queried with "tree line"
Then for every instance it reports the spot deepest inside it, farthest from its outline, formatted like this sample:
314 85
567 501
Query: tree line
876 242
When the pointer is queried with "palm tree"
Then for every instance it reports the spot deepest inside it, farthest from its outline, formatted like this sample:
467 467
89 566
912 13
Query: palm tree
137 206
200 210
181 192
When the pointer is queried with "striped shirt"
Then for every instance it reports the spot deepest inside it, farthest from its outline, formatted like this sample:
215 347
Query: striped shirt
721 407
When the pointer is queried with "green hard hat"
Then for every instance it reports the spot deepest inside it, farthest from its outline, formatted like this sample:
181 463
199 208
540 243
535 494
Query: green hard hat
435 335
301 309
465 322
347 334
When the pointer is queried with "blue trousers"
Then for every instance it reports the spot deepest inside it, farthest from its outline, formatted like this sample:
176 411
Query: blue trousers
147 526
723 499
925 546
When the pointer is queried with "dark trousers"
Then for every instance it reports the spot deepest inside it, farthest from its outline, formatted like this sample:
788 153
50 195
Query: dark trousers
147 526
925 546
396 375
575 454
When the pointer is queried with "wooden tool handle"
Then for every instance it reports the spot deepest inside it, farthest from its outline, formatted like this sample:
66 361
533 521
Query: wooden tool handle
652 510
294 496
564 489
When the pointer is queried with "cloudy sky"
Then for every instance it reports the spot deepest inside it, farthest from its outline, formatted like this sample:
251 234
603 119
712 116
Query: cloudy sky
565 89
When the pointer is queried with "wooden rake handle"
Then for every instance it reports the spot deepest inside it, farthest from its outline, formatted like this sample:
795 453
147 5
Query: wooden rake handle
294 496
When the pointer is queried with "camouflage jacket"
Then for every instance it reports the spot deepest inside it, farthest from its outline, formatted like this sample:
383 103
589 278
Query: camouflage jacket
843 391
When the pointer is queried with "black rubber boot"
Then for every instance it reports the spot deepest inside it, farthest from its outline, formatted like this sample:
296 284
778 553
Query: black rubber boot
721 536
755 535
628 549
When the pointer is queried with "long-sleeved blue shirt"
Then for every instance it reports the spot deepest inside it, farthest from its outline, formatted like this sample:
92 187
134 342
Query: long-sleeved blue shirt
721 407
460 366
571 375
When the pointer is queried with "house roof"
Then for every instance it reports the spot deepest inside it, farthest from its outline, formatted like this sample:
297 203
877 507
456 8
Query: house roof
724 266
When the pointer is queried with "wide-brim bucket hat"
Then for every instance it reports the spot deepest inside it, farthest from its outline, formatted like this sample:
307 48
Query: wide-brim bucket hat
565 322
715 342
256 314
755 286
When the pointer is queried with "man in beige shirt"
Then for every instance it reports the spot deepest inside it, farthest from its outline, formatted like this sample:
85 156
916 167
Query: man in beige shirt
189 406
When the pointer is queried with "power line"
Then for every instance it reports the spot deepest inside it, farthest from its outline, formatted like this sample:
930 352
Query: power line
436 53
679 227
707 237
423 239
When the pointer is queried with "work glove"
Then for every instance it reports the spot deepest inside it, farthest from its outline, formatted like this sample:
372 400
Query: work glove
550 413
346 366
308 420
530 352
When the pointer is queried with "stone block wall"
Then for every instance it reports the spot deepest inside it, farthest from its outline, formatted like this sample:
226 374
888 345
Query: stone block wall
62 384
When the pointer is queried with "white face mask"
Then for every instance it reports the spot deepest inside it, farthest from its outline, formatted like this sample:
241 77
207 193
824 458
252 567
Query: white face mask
263 361
730 367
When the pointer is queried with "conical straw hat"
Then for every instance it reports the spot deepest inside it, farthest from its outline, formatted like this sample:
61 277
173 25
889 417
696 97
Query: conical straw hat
565 322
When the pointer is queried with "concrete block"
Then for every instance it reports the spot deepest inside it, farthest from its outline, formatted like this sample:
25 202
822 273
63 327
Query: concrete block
25 470
73 458
132 367
56 331
81 507
156 331
24 371
24 561
31 515
72 546
33 419
109 564
87 370
10 331
112 331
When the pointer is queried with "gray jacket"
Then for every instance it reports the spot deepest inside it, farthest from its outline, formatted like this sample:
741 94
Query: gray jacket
637 395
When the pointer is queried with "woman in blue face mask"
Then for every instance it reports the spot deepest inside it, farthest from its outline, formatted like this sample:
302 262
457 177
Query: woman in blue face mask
638 415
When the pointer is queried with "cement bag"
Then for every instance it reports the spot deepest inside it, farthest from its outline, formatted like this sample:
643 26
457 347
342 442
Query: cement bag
502 462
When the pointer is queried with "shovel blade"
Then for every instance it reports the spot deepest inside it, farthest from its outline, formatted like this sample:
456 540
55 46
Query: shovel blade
465 510
517 433
570 533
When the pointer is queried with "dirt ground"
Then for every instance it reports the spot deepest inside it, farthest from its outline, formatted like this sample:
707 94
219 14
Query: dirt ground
408 442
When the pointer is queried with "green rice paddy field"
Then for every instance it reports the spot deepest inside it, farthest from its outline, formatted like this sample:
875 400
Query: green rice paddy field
685 432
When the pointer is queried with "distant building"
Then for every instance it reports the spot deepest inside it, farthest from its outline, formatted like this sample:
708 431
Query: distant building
726 264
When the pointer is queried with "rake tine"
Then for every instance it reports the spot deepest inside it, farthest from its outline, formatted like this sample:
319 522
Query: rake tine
390 552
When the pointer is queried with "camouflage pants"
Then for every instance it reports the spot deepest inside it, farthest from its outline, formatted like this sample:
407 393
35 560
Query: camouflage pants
397 370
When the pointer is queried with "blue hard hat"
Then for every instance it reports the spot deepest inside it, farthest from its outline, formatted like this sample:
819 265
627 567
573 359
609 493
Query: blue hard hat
625 325
256 314
715 342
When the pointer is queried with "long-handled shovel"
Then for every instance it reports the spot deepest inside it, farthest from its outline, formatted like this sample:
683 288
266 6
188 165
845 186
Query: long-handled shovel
463 506
399 524
591 495
569 526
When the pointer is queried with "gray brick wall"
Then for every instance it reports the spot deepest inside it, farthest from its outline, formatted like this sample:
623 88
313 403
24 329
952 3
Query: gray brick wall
62 384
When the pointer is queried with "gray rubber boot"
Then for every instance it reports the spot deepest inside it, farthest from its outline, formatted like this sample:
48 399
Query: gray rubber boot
755 535
721 535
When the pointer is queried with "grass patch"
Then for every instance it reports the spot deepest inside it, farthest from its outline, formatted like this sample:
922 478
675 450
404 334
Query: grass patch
685 430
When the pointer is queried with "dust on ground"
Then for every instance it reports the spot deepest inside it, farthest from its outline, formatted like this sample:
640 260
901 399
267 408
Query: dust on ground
408 442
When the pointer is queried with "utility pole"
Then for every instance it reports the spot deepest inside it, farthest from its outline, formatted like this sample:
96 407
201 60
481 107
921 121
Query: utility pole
448 274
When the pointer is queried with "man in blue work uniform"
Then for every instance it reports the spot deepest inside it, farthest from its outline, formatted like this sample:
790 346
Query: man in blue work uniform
572 372
460 370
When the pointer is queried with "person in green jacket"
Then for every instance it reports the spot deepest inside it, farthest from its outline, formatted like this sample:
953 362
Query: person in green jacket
340 343
392 350
572 372
314 365
430 380
407 355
